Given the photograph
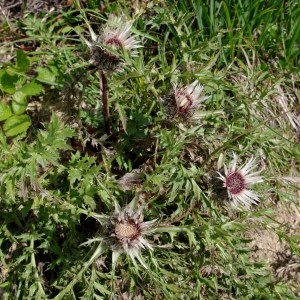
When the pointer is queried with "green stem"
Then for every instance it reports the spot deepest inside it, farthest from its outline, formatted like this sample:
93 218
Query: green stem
105 108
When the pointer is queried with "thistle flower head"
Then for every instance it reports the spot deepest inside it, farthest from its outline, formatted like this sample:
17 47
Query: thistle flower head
126 233
117 33
183 101
237 181
115 37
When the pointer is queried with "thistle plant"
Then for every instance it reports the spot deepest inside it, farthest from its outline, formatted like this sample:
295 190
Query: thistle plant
124 231
106 50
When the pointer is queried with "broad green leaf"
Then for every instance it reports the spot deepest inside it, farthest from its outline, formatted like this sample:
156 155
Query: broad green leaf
45 75
19 103
5 112
16 125
22 61
7 82
32 89
53 69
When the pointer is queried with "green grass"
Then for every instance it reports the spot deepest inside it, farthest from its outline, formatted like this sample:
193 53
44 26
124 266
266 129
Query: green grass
60 170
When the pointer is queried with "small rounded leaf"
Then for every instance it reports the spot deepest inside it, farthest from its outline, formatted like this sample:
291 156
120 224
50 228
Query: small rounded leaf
16 125
32 89
5 112
19 103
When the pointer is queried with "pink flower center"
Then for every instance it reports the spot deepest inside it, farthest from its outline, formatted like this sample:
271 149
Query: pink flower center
235 183
127 230
185 102
114 42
